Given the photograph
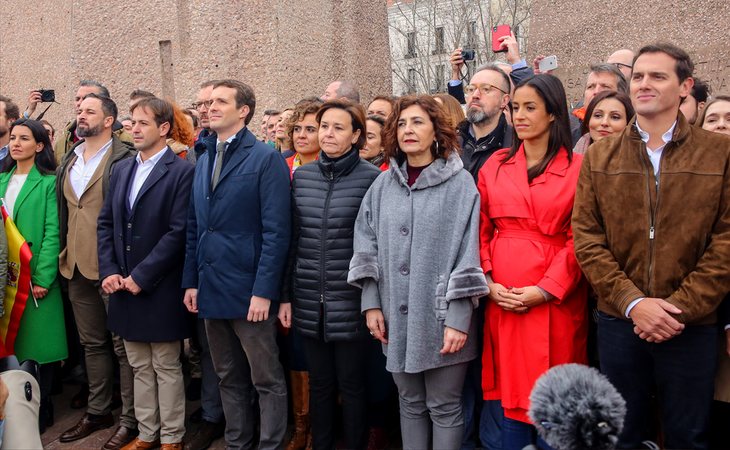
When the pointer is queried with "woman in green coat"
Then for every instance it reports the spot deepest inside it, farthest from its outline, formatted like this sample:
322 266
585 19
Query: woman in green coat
27 186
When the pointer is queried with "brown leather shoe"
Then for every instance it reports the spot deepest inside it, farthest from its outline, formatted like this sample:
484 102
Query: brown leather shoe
87 425
175 446
120 438
139 444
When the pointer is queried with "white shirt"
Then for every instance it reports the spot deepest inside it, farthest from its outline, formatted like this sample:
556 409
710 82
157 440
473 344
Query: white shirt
82 171
11 194
144 168
655 156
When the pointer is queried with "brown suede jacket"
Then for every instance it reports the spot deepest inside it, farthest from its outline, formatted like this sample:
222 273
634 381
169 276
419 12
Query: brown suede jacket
636 238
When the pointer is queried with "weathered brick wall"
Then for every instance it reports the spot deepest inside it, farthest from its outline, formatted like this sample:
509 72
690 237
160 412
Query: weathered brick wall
284 49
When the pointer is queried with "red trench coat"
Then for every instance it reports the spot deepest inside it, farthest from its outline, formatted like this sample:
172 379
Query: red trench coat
526 240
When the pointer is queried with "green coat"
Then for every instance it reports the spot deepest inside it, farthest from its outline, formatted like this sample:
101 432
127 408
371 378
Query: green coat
42 333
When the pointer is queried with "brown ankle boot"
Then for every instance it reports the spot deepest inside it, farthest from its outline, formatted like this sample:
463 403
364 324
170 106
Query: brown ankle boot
300 399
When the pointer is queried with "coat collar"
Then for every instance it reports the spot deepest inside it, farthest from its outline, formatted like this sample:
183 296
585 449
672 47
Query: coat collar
516 169
157 173
681 129
34 177
335 168
239 149
439 171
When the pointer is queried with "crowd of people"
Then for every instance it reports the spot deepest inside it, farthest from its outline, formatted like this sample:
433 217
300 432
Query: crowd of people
445 251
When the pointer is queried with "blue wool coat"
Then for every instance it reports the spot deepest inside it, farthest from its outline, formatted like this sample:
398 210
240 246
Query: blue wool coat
238 235
147 243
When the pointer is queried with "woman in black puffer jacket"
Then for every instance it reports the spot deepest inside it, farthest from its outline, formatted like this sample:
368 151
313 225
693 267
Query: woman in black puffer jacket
326 199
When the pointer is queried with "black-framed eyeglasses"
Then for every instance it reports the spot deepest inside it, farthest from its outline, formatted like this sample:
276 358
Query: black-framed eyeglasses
620 65
207 104
484 88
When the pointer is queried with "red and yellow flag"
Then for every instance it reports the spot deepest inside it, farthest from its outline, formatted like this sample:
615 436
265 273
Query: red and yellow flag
18 286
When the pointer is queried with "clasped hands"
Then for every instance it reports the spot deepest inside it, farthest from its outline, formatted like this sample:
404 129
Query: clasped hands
653 320
516 299
116 282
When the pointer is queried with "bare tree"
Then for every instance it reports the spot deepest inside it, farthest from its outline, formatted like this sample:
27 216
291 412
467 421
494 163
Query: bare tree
423 33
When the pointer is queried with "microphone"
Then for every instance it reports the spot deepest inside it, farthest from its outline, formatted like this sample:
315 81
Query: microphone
575 407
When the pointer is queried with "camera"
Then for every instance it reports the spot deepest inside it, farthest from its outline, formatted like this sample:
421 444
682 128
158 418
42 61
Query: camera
47 95
468 54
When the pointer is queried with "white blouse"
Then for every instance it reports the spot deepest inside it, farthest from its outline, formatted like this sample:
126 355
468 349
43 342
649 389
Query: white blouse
11 194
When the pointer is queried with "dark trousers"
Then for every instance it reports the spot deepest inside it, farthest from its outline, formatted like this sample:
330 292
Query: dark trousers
333 364
681 371
245 354
518 435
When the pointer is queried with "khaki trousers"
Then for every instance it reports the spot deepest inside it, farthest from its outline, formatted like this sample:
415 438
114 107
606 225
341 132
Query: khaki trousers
159 390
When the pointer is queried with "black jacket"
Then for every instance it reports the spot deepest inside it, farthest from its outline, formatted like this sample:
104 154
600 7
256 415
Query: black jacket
474 153
326 197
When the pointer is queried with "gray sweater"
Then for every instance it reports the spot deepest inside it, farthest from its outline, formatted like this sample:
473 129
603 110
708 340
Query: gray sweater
416 256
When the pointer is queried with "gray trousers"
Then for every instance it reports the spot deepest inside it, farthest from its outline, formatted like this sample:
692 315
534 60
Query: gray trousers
430 402
89 306
245 354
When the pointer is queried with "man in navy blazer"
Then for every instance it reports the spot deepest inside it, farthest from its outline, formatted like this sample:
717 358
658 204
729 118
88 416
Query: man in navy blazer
141 244
237 241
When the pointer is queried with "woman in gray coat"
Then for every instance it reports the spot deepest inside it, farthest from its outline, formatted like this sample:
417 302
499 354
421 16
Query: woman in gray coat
416 257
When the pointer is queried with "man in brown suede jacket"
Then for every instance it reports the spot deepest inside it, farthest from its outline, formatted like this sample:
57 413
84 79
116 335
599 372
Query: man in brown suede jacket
651 228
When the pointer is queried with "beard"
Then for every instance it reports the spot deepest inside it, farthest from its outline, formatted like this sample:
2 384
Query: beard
477 116
84 131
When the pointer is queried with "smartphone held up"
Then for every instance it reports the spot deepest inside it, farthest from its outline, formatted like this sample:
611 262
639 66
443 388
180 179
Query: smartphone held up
498 32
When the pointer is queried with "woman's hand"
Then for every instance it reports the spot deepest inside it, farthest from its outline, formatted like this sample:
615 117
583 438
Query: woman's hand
497 294
39 292
528 296
454 340
376 323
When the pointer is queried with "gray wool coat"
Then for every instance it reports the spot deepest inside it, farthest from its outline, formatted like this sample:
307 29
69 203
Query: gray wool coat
416 256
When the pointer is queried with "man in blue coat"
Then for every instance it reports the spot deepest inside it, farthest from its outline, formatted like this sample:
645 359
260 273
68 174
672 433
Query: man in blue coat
237 241
141 244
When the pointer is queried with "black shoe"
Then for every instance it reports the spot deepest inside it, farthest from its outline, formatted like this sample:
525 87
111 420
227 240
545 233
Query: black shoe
88 424
206 434
197 416
192 392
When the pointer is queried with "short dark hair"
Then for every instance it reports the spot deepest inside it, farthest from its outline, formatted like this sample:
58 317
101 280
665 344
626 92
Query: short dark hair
269 112
160 109
700 91
357 116
12 111
551 91
139 93
621 84
108 107
684 66
103 91
45 162
601 96
446 141
494 67
244 95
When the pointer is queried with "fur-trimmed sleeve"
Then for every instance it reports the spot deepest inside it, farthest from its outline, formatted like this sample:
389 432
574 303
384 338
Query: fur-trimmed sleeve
364 263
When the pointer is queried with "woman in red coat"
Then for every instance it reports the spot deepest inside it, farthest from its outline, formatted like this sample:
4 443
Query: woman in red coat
536 318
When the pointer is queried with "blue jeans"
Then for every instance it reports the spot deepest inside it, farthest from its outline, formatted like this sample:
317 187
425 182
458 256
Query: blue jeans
517 435
681 371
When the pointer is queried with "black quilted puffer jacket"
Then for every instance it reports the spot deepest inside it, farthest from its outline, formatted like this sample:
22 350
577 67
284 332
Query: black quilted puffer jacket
326 199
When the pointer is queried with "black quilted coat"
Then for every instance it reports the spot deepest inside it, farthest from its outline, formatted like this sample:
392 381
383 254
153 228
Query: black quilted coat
326 199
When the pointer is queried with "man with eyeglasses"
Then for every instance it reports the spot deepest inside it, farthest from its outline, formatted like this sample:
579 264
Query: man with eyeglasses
485 129
623 60
201 104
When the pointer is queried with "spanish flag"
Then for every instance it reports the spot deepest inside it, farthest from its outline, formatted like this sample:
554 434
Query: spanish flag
18 285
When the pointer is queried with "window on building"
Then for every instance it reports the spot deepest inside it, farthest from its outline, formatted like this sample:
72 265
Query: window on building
439 78
412 80
439 46
411 45
471 34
